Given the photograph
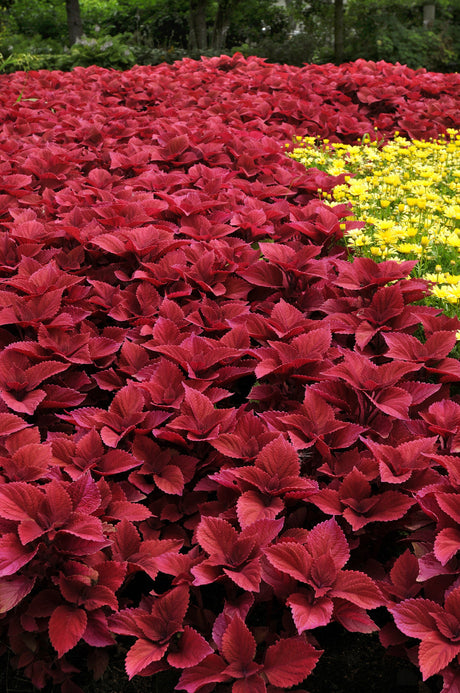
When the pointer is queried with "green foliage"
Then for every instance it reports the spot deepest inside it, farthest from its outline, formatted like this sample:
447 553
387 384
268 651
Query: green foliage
295 50
45 18
393 30
98 16
256 20
120 33
153 22
106 51
19 62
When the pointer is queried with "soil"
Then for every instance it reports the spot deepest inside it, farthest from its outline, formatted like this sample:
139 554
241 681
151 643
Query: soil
351 663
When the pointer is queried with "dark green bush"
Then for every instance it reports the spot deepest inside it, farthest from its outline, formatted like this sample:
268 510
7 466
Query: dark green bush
394 31
297 50
44 18
120 33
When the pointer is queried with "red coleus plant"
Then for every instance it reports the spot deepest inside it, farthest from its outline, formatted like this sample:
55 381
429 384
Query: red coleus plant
161 634
262 487
436 626
193 375
287 662
232 554
317 565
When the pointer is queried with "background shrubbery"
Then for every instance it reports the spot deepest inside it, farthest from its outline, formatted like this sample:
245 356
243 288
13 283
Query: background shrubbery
120 33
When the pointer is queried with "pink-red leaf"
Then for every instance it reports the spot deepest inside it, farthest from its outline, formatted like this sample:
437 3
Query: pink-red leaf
290 661
238 643
66 626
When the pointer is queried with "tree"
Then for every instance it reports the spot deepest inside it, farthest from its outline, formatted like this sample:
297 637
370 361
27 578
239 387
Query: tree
222 20
394 30
339 31
74 22
198 28
199 13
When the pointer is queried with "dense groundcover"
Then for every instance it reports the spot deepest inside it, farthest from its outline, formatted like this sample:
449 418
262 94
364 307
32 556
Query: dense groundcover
218 434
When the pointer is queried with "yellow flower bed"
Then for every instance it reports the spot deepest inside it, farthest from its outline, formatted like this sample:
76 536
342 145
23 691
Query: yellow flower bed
406 192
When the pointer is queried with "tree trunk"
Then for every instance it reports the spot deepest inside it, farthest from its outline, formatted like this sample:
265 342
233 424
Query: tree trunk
338 31
74 22
222 23
198 30
429 14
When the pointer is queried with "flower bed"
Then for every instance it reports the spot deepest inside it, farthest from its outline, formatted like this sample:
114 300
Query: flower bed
218 434
406 192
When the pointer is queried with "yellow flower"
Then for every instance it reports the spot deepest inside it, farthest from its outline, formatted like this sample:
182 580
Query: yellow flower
405 193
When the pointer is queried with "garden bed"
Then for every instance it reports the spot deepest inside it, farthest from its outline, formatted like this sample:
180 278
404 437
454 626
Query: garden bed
216 447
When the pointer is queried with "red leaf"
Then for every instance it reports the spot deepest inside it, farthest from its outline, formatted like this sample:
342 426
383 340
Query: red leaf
278 458
141 654
116 462
66 626
250 684
85 495
434 654
13 555
327 537
353 618
290 661
291 558
19 501
126 540
404 575
253 506
216 537
192 649
208 672
170 480
248 577
358 588
393 401
10 423
238 643
27 404
40 372
450 503
97 633
446 544
13 590
414 617
391 505
307 614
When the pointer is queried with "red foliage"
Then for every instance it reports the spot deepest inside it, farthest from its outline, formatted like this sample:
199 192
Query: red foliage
194 378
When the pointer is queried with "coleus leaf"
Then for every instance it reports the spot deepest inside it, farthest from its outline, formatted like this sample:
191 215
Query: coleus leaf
208 672
358 588
434 654
13 590
291 558
66 626
238 643
10 423
414 617
19 501
191 649
308 614
141 654
446 544
290 661
13 554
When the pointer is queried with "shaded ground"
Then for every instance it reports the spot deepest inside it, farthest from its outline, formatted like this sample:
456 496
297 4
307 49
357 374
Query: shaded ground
351 663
